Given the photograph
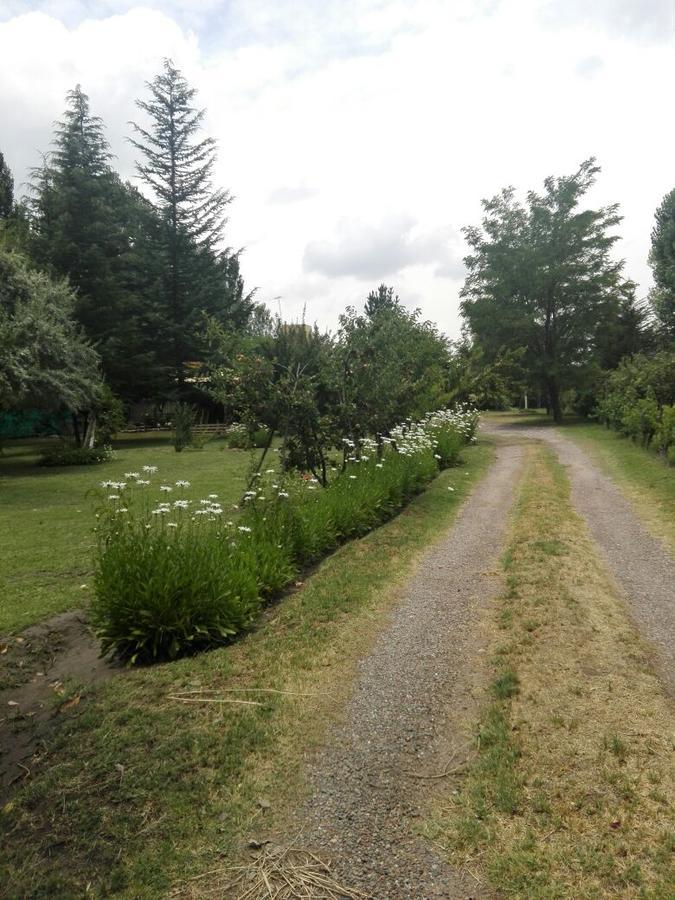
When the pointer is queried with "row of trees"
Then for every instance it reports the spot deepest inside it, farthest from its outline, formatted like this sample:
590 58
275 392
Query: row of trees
143 272
546 306
140 297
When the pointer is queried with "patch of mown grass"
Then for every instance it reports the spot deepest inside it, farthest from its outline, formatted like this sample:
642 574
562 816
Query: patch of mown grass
142 791
46 517
571 792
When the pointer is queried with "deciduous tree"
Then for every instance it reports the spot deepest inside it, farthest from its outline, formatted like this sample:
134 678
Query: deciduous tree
46 362
542 276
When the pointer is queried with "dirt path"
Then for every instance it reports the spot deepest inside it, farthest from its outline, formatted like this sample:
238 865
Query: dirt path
641 564
408 716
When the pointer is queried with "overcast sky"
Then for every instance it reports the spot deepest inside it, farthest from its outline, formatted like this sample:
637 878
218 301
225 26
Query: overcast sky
359 136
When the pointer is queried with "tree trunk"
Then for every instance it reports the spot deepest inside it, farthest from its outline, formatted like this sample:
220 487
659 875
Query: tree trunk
90 432
76 430
554 399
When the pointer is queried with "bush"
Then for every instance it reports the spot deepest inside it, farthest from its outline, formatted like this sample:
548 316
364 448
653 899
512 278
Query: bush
637 399
173 577
665 434
75 456
239 437
183 415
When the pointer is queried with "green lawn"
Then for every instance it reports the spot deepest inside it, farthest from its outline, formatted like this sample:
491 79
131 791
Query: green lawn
46 517
140 791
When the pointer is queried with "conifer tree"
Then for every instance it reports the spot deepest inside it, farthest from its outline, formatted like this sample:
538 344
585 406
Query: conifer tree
177 165
6 189
662 259
89 226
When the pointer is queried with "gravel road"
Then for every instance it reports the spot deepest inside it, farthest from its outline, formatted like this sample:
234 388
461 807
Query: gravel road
405 713
641 564
414 691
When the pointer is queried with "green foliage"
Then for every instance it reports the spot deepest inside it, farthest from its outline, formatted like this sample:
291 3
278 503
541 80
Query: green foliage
662 259
183 416
109 412
174 577
46 363
665 433
239 437
197 277
542 277
637 399
281 383
6 190
486 382
100 233
390 365
75 456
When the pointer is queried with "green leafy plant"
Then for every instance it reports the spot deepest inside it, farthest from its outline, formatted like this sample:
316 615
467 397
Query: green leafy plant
183 420
173 576
75 456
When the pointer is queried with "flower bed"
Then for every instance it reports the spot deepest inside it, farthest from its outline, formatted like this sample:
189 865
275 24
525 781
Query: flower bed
175 574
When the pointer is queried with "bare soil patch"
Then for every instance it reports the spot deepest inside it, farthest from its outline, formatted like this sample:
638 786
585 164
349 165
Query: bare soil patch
44 675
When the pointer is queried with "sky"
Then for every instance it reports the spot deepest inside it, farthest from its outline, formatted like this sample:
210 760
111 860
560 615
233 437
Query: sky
358 137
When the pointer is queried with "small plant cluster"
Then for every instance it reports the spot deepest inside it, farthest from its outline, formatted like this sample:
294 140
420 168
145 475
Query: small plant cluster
175 574
76 456
240 437
639 401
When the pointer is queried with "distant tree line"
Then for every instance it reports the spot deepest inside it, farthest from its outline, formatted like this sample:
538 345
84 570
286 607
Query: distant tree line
110 296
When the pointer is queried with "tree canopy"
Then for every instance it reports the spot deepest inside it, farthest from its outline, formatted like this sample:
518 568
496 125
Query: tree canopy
542 277
46 362
200 276
662 258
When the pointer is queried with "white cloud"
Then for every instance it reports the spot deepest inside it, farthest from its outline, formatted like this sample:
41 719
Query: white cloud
589 66
383 250
292 194
650 20
334 117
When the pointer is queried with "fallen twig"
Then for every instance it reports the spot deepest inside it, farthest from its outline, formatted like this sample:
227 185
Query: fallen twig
214 700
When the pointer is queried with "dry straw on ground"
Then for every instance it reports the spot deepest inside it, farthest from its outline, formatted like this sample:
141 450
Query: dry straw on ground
273 873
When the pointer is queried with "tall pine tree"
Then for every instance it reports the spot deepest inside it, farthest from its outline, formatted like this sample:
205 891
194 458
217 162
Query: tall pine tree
89 226
177 165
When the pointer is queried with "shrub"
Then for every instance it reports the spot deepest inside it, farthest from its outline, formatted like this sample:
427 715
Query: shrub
665 434
239 437
637 399
75 456
173 577
183 420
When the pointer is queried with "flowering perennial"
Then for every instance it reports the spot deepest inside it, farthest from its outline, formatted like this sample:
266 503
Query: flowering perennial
174 576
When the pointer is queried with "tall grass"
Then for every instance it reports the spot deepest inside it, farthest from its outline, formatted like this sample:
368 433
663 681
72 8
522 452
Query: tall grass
177 575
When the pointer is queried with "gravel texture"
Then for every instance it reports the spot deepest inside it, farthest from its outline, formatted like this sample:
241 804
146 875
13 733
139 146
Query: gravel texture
641 564
408 708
